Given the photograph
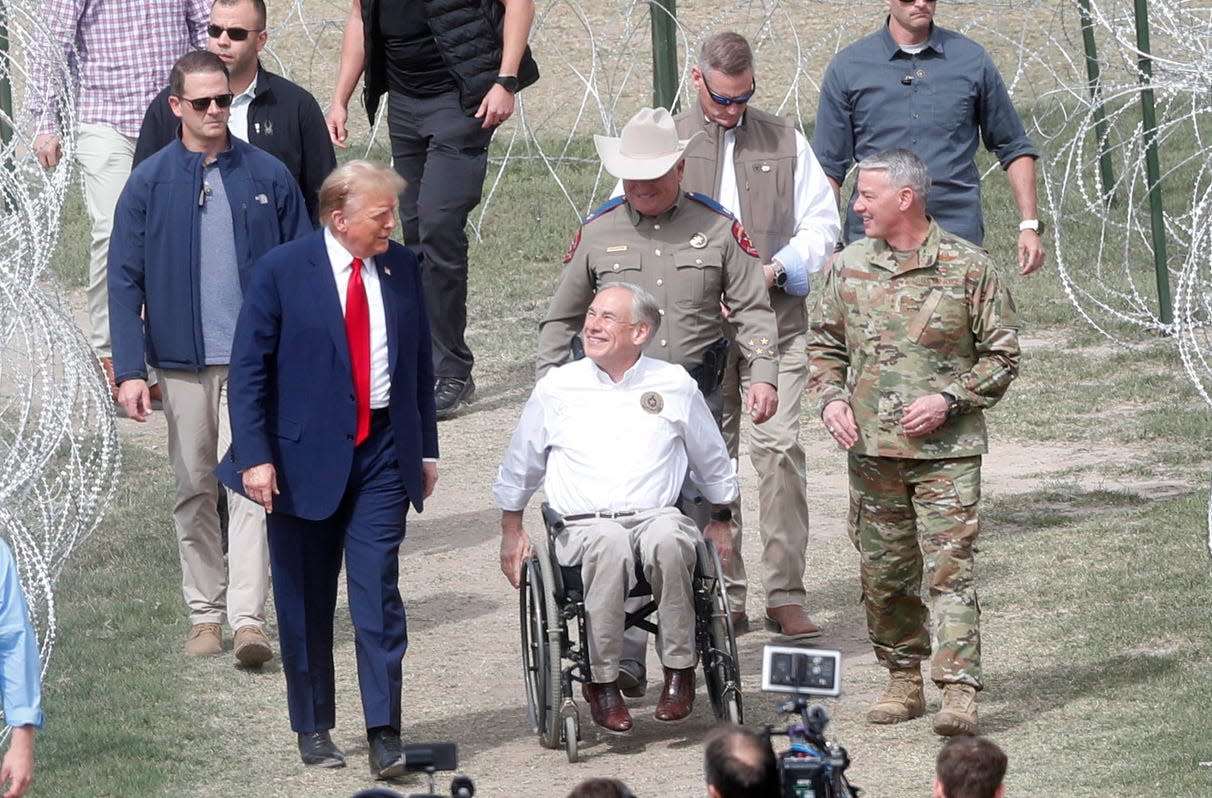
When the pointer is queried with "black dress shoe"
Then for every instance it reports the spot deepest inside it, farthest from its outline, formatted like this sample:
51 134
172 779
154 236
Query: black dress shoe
386 755
317 748
451 393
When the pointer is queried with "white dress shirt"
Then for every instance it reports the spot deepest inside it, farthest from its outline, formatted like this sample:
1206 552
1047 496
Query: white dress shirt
341 262
237 120
601 446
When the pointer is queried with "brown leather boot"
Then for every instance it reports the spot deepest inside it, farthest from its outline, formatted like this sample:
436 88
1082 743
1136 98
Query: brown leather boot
677 699
607 707
791 620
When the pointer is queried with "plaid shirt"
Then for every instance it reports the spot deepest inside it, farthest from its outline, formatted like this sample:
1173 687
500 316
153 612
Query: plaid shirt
120 53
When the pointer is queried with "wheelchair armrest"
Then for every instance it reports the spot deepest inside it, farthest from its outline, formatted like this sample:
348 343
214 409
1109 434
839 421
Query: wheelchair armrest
552 520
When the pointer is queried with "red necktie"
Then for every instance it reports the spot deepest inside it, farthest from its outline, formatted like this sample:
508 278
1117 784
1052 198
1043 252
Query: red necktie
357 330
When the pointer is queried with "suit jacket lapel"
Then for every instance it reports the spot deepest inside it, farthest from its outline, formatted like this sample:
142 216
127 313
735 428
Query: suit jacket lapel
390 309
329 304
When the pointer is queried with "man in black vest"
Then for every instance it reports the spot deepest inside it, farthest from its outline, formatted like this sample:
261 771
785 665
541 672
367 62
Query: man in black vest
450 69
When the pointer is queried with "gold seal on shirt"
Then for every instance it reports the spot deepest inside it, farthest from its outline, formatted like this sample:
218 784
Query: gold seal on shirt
652 402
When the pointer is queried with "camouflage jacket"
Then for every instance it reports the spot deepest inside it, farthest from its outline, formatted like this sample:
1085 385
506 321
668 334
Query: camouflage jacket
882 334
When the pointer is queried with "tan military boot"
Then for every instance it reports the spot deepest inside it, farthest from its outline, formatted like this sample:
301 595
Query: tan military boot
958 715
903 698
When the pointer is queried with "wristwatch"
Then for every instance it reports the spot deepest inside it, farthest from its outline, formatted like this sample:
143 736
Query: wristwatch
952 405
1032 224
510 82
723 514
780 274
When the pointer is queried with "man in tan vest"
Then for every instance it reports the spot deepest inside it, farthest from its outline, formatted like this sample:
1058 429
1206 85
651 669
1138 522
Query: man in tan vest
760 167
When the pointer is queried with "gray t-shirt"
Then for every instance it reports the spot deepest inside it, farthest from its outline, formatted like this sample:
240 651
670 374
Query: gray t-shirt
220 274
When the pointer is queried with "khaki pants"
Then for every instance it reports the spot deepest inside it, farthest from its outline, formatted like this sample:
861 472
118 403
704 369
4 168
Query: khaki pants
778 458
104 156
199 432
664 540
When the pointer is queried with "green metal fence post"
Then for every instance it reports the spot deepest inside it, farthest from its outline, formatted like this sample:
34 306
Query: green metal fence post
1105 169
6 103
6 88
664 54
1152 166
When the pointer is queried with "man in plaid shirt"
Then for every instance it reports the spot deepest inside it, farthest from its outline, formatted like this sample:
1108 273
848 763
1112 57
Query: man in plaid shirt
120 53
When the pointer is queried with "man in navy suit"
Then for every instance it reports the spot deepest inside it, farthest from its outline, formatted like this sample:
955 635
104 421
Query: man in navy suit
335 434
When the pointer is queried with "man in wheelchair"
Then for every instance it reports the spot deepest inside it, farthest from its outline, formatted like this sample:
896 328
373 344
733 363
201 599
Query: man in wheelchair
612 436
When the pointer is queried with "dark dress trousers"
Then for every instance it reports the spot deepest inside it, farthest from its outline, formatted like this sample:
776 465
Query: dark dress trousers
292 404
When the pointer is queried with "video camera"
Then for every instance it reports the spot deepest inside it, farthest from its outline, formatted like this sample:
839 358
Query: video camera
811 767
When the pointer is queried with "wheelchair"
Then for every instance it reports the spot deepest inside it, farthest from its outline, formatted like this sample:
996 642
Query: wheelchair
555 650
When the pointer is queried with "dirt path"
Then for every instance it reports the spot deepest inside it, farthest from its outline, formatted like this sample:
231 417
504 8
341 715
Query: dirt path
463 675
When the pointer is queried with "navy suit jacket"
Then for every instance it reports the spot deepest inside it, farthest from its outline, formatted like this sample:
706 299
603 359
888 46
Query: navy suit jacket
290 383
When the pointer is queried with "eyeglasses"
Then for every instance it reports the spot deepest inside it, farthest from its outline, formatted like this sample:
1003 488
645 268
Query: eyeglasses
202 104
235 34
720 99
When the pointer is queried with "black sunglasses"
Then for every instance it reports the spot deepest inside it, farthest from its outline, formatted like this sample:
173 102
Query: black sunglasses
235 34
720 99
202 104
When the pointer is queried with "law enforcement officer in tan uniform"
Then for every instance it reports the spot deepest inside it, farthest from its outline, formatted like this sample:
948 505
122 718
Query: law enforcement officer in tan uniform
913 336
684 249
689 253
760 167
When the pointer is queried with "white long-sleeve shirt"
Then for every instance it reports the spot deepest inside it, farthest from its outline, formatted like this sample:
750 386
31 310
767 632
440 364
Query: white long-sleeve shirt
601 446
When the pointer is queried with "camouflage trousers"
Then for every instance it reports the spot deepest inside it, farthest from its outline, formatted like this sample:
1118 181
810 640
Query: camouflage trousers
909 515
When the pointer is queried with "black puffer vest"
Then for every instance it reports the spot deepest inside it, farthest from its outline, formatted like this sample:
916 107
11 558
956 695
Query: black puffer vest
468 33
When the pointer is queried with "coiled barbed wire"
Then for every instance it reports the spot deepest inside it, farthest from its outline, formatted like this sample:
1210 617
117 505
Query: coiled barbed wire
59 456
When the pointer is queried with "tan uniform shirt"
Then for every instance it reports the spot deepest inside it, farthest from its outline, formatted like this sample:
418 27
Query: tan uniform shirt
688 258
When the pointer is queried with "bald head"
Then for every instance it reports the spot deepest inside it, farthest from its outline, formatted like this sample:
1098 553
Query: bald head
739 763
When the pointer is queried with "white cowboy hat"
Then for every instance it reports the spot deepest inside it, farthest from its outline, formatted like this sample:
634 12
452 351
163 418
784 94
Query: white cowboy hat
648 148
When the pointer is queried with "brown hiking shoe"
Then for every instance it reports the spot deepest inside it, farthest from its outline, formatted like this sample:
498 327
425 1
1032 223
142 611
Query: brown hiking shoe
903 698
205 640
958 715
252 647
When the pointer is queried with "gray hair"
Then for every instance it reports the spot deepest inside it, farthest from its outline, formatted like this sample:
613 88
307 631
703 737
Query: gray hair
644 307
905 170
728 53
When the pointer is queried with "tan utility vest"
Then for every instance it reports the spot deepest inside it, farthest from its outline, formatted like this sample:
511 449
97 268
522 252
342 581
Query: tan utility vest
764 161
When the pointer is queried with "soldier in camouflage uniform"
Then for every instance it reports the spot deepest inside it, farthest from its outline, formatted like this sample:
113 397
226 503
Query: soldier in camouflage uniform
913 336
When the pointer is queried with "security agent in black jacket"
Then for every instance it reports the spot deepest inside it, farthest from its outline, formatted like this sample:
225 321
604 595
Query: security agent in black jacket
283 119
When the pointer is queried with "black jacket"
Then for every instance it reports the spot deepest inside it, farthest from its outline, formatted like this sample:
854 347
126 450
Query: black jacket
283 119
468 33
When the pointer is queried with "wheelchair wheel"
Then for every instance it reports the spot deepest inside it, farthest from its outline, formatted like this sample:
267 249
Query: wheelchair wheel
549 732
572 734
542 688
721 665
